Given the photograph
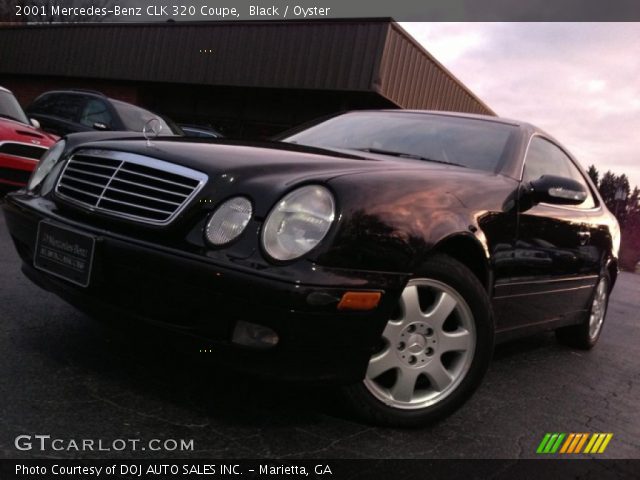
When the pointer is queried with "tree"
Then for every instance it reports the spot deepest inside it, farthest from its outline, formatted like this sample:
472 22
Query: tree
621 198
630 248
615 192
607 187
594 174
633 205
625 204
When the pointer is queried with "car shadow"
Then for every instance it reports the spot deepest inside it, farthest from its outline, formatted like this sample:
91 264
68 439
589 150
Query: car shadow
523 345
145 364
148 364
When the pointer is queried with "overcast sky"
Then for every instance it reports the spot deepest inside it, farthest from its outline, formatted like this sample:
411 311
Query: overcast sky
578 81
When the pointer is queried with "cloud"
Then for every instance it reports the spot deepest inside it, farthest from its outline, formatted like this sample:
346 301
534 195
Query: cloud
578 81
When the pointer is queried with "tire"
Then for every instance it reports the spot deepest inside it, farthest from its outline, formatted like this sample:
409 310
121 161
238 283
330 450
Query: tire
585 335
433 354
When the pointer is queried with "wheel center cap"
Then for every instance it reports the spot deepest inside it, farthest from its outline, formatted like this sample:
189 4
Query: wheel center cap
416 343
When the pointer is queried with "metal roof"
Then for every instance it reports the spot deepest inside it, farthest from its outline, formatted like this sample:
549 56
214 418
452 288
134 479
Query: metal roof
345 55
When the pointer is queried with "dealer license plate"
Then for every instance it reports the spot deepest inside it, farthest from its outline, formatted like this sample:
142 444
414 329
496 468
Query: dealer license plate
65 253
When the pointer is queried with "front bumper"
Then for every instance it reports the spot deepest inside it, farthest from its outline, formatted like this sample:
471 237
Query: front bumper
203 301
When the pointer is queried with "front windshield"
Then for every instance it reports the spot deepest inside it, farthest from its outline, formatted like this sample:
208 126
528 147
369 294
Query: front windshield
135 118
10 108
472 143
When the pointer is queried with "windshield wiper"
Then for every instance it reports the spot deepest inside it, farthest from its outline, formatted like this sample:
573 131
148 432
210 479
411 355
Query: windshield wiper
406 155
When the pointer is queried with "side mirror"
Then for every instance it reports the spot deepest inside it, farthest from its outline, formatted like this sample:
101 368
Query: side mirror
557 190
35 123
100 126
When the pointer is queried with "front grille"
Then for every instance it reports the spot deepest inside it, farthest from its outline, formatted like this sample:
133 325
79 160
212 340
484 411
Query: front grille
22 150
128 185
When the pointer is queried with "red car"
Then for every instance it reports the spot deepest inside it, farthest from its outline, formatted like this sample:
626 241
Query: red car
21 143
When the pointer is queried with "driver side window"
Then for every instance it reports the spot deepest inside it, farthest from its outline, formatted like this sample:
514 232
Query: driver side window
545 158
95 111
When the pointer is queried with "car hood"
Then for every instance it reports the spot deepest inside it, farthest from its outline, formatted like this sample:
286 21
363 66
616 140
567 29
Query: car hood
291 162
266 170
11 130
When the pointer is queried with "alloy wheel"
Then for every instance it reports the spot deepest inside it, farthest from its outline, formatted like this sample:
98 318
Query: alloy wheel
426 351
598 309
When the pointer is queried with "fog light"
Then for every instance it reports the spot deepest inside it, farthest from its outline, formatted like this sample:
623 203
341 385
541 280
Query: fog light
253 335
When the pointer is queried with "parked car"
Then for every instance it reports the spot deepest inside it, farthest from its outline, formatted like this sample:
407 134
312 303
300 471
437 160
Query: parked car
386 251
70 111
22 143
199 131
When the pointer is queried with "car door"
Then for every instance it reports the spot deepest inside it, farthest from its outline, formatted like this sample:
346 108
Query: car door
552 273
58 113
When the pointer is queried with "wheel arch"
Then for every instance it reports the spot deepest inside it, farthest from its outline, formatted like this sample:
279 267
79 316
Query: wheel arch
468 250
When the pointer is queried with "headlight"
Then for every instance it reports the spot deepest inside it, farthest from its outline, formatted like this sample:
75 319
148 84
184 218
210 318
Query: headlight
46 163
298 222
228 221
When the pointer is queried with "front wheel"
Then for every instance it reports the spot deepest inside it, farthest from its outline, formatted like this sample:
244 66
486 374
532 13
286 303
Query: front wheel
433 352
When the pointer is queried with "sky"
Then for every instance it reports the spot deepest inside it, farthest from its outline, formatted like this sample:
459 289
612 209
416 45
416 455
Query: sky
578 81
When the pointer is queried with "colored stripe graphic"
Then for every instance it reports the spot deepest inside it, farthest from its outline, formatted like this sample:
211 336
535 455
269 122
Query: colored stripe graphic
581 442
598 443
572 443
547 448
592 441
555 447
543 443
550 443
577 437
605 443
596 446
567 443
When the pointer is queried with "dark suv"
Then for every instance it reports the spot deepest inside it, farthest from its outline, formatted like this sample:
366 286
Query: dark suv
69 111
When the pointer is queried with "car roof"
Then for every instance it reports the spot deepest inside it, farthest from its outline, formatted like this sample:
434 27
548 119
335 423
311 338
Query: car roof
489 118
524 126
77 91
2 89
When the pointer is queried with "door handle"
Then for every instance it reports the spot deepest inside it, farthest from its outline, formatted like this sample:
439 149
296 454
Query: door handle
584 237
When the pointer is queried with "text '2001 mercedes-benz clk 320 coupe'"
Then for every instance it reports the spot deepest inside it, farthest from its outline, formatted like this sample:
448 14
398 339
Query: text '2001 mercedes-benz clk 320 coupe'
385 251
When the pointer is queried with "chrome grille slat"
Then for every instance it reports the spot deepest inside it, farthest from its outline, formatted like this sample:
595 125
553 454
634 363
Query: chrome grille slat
157 179
75 179
104 197
86 172
103 181
143 196
183 195
92 165
84 192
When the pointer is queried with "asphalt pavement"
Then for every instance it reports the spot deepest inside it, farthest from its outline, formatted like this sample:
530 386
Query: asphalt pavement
65 375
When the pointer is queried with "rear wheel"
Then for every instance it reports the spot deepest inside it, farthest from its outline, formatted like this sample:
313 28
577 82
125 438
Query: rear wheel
433 352
586 334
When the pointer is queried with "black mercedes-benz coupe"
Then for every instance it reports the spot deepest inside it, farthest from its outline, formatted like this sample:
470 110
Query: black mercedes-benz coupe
385 251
